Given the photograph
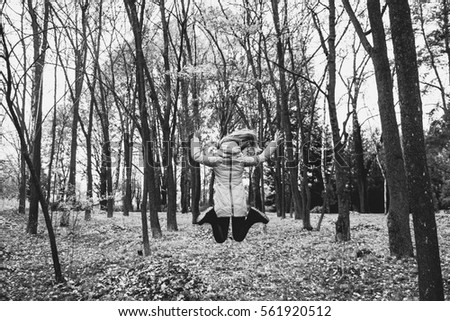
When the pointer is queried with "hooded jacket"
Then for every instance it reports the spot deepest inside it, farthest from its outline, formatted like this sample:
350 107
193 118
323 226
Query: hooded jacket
228 164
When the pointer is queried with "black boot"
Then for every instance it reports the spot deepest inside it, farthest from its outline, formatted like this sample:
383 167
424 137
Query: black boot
256 216
207 216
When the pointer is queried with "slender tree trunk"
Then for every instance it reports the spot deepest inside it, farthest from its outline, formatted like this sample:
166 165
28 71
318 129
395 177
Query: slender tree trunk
341 168
20 131
89 179
39 46
304 188
53 141
194 167
420 192
446 35
92 104
256 179
171 188
398 214
323 171
106 181
128 162
185 183
145 132
149 190
80 63
396 194
23 165
106 156
80 50
361 179
22 185
291 165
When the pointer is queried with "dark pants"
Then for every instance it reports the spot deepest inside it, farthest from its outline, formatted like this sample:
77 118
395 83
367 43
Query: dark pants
239 225
220 228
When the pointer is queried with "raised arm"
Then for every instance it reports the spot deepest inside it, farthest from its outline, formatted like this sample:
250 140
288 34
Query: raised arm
197 153
268 151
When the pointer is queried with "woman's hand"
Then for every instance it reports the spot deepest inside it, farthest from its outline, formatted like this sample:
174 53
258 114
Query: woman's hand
279 137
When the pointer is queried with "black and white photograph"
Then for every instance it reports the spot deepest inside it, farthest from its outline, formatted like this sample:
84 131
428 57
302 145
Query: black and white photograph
224 158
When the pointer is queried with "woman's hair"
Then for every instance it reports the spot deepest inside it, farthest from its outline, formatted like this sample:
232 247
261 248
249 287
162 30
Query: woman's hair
243 137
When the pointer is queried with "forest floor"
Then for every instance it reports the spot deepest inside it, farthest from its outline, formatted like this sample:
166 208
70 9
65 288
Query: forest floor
100 261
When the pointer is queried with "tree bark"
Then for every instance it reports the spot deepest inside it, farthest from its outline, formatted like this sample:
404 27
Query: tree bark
92 104
106 184
194 167
23 166
341 167
80 50
128 163
145 130
400 244
361 178
39 46
185 180
34 176
420 192
291 165
171 188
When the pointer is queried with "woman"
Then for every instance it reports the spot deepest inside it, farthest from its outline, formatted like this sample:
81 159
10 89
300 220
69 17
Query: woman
234 152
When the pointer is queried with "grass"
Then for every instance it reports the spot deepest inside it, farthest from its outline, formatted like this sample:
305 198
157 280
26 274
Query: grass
100 261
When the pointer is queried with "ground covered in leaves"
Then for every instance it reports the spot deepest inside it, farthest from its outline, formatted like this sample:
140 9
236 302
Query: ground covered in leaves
101 261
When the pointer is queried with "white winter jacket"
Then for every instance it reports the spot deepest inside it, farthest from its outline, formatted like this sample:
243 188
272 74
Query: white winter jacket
228 166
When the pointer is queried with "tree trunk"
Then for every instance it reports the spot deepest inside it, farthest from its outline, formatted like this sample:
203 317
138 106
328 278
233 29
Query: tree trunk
171 189
195 168
195 187
39 46
23 165
341 167
304 188
256 179
23 147
420 192
128 163
92 103
185 180
53 141
90 183
80 63
22 185
323 171
400 243
145 130
361 176
291 165
106 181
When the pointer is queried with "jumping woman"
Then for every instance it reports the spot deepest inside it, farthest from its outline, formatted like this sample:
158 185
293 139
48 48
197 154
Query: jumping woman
228 159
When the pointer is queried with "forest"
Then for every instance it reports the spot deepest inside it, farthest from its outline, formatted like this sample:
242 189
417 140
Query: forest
100 194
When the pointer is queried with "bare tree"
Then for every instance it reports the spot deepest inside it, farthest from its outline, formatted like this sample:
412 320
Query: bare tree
284 116
398 214
40 45
168 122
79 46
421 200
149 191
14 114
339 141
